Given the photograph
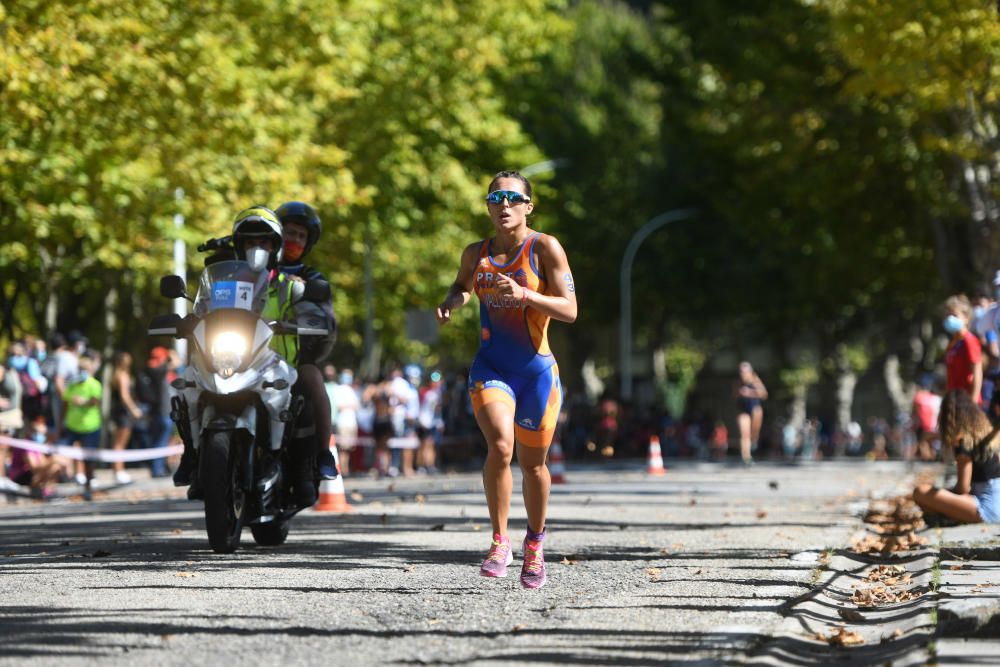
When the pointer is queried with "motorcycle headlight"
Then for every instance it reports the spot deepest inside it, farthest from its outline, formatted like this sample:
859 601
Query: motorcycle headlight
228 349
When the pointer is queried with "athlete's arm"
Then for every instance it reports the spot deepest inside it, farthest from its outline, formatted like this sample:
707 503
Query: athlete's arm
560 300
460 290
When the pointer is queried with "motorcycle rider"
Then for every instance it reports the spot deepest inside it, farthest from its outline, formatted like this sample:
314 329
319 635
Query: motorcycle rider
260 227
301 229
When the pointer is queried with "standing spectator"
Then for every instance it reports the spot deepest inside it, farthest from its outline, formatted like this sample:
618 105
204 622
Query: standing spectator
379 395
720 441
750 395
607 425
330 385
430 424
11 419
926 405
963 356
346 404
124 410
33 383
67 367
405 417
153 394
82 422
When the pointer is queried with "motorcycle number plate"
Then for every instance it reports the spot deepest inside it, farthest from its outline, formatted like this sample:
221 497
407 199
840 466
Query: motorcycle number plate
232 294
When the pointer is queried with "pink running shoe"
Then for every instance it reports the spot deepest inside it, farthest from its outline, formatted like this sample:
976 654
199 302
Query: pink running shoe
533 570
498 559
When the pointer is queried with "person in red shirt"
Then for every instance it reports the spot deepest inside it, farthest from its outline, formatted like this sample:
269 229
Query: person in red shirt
964 354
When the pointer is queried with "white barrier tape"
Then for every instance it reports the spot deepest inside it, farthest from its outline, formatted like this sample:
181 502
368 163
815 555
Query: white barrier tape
104 455
408 442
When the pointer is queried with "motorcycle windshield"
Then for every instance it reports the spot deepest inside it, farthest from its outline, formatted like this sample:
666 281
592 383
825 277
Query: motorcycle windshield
231 284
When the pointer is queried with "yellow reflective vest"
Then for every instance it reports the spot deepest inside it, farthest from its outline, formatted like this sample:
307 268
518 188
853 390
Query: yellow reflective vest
279 307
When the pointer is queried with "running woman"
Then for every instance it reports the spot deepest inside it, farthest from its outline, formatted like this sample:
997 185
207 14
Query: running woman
522 279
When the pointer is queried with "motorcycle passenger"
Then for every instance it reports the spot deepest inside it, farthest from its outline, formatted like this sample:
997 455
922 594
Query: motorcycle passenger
259 227
301 229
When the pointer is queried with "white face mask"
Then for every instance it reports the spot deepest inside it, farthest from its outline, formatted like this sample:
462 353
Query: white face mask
257 258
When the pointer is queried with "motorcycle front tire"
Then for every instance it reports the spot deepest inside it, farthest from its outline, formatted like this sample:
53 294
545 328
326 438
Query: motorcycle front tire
270 534
224 498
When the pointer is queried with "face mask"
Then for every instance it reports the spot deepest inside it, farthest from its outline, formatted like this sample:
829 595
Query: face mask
953 324
346 378
978 312
83 376
18 362
41 355
294 251
39 437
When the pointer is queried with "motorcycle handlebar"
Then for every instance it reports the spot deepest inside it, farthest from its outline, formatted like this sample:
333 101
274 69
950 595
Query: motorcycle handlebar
216 244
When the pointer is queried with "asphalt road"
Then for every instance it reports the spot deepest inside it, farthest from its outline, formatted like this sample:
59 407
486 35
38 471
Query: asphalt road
694 567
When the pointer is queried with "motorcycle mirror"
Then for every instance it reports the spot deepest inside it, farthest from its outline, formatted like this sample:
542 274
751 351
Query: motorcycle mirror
173 287
257 259
317 290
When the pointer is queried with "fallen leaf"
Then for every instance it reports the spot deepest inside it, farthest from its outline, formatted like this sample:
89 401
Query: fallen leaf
356 496
519 627
391 487
955 567
698 571
761 514
772 484
100 553
420 499
692 502
654 573
568 561
433 621
843 637
187 575
166 638
850 615
409 568
177 531
476 526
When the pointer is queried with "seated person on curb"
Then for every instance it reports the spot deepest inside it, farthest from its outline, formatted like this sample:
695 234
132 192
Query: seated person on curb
258 227
976 495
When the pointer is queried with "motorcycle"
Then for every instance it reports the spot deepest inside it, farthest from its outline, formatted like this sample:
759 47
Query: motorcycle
233 402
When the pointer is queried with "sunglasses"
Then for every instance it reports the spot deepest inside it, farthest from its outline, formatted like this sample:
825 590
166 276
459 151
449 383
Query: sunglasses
514 197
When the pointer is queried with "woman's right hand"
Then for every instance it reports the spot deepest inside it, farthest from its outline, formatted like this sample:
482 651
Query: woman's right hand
443 313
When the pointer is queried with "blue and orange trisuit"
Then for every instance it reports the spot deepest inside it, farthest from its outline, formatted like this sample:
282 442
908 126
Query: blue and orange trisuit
514 363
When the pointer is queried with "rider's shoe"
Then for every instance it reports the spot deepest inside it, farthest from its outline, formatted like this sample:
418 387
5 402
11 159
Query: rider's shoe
195 492
327 464
303 481
533 570
498 558
186 468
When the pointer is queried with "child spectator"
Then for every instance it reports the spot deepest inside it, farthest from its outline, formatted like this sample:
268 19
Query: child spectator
82 423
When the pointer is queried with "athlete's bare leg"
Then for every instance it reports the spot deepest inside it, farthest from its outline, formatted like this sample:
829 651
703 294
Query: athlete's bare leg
756 420
497 424
743 420
535 484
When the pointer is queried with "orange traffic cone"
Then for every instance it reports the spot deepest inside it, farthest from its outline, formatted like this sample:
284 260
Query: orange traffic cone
331 491
655 457
557 464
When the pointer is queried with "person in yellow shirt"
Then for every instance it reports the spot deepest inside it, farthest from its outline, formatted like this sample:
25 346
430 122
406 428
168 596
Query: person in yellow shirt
82 422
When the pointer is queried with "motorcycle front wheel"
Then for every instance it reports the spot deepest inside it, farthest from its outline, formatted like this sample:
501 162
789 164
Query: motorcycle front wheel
270 534
220 477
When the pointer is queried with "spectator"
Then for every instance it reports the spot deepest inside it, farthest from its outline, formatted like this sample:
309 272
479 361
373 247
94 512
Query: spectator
153 395
124 410
430 425
963 356
39 471
33 383
67 368
976 495
82 422
379 394
11 419
607 426
926 405
720 441
346 404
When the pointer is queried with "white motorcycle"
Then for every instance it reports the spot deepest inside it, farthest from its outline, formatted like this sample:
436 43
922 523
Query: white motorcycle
234 405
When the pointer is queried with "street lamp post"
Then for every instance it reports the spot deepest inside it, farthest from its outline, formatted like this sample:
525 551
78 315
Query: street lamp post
625 335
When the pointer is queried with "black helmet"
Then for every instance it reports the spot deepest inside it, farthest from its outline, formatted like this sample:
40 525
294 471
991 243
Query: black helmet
300 213
258 221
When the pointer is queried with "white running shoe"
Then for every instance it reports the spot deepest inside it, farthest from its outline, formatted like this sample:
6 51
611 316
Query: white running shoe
123 477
